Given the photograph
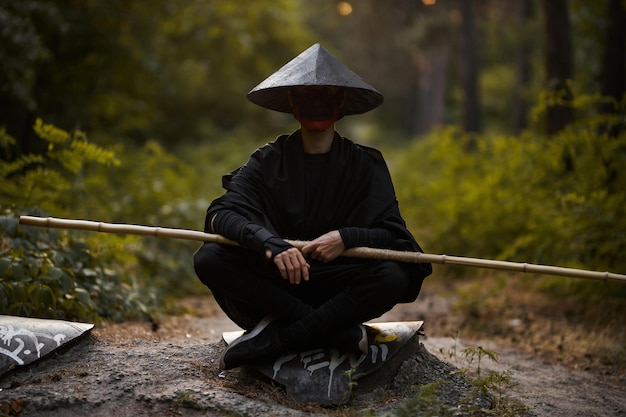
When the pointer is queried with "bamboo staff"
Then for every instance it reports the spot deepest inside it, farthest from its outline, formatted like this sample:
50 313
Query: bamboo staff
372 253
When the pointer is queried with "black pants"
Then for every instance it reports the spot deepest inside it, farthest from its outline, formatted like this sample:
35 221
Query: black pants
249 287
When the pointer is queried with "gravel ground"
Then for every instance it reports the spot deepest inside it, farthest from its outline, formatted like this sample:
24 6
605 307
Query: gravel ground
135 369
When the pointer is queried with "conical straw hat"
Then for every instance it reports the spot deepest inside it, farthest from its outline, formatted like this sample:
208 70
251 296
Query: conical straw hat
315 66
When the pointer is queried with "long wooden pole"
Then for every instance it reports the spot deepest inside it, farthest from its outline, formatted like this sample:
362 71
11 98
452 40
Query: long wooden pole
372 253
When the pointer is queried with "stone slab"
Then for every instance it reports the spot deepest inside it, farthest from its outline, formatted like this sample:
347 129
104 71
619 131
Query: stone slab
329 376
25 340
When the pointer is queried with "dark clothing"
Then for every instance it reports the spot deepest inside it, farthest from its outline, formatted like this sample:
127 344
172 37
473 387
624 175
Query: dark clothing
249 287
283 193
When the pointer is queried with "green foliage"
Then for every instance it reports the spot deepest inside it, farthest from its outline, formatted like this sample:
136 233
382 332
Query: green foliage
179 70
529 198
485 394
21 163
48 274
172 71
492 384
135 184
57 275
423 402
42 179
155 187
23 47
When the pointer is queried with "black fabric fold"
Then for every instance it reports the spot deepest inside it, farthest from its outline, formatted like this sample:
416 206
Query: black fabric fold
249 235
361 237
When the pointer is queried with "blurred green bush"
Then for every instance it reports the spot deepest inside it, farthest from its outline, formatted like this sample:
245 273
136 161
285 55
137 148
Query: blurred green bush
99 275
50 274
54 274
557 200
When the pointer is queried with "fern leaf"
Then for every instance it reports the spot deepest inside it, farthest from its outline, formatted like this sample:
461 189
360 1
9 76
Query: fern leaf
24 161
6 140
51 133
92 152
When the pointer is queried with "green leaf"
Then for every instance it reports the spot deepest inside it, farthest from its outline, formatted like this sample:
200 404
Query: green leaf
83 296
51 133
18 272
67 282
5 265
41 295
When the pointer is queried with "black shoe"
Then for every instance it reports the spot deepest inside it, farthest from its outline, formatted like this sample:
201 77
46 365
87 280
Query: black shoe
261 343
351 340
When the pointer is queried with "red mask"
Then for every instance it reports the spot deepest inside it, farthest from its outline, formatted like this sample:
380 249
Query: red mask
314 125
317 108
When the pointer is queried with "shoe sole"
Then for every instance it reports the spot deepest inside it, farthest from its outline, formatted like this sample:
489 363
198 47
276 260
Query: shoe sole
253 333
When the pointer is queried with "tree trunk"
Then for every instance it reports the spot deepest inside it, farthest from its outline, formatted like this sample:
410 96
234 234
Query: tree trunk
559 67
469 68
612 82
520 102
432 81
614 62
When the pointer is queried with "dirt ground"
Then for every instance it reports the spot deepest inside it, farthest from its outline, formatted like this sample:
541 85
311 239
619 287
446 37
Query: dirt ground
169 368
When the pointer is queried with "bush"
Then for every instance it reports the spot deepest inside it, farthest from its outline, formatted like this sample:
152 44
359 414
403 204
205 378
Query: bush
43 179
156 187
53 274
50 274
73 178
557 200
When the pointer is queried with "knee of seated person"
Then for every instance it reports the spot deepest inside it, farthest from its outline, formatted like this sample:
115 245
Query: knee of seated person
389 284
206 261
388 279
394 277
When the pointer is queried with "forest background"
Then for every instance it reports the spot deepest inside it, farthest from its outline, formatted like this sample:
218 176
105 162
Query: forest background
503 126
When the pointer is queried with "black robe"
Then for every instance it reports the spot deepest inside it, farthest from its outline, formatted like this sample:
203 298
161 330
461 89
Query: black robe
356 191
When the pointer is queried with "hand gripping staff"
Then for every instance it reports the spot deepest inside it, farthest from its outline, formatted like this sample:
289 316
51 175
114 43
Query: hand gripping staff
362 252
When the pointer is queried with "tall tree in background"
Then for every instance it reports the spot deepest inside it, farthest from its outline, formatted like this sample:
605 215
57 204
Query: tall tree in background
470 68
431 53
431 73
559 63
613 83
407 56
520 101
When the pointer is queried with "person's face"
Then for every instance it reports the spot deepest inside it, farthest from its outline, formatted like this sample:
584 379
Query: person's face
317 102
316 107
